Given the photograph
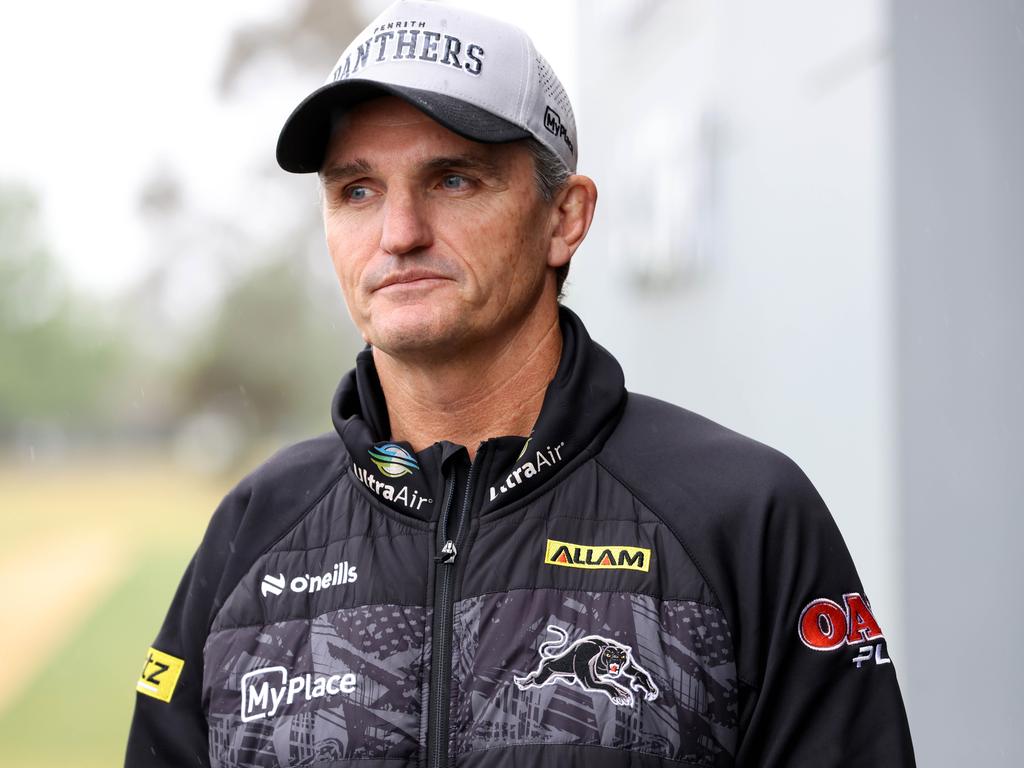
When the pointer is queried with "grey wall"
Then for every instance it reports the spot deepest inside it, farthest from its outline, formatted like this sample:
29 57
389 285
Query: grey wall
739 262
958 226
811 229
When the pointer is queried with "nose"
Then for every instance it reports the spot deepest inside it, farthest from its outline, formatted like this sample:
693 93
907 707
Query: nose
405 227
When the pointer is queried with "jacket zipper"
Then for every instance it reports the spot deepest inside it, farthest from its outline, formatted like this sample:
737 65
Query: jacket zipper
441 664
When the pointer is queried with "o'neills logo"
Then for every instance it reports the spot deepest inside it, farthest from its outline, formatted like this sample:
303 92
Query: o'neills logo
411 41
540 461
341 573
596 556
403 495
265 690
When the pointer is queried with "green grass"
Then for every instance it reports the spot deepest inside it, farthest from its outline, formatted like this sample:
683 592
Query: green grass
76 712
76 709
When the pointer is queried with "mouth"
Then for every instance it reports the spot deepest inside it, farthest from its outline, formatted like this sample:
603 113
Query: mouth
414 278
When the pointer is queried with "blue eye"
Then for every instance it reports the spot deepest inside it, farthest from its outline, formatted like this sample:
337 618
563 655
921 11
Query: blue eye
357 193
454 181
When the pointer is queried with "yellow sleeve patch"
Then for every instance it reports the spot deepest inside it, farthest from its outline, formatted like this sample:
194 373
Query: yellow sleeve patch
160 675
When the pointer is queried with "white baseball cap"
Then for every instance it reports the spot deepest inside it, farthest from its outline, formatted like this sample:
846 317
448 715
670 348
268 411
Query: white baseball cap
479 77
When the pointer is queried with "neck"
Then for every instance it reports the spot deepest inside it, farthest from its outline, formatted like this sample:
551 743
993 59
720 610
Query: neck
495 390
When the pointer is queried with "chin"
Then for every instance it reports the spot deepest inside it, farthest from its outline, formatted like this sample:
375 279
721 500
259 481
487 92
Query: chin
407 333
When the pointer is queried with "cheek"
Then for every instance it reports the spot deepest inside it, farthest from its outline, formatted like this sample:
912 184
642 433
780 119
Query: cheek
516 243
341 268
344 254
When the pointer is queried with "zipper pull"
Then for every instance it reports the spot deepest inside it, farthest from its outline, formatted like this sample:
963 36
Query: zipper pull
448 552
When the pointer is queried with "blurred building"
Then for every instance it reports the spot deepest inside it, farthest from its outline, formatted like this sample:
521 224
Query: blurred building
809 230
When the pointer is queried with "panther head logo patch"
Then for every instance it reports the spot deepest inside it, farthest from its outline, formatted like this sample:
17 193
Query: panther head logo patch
594 663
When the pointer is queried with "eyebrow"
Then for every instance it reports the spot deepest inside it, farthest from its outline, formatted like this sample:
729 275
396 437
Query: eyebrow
337 173
361 167
468 162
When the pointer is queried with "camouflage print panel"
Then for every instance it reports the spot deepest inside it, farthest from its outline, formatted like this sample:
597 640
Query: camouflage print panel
357 695
684 648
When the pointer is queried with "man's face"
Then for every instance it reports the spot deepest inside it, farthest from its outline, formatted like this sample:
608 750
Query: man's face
440 243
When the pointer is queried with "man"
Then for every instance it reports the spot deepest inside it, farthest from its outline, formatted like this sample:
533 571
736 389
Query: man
499 557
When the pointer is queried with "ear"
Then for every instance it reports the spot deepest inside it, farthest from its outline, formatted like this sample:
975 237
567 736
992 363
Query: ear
573 211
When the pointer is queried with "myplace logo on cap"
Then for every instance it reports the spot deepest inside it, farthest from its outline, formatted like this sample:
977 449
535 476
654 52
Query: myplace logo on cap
477 76
553 124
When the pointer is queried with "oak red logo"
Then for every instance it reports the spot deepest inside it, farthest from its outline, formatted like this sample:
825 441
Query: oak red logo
826 626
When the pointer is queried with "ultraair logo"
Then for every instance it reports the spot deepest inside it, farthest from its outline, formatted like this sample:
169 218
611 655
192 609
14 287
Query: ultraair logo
393 460
409 498
827 626
341 573
265 690
595 556
534 465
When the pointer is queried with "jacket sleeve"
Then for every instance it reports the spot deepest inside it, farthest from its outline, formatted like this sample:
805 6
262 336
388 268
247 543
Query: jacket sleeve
817 685
169 725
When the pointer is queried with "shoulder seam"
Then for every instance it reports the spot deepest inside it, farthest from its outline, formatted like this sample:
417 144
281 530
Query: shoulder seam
298 519
302 515
689 553
696 563
636 494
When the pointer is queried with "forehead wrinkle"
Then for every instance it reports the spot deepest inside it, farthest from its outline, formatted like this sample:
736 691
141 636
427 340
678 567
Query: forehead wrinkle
384 112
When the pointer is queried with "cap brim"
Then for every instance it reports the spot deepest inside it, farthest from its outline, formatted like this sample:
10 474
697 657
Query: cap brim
303 141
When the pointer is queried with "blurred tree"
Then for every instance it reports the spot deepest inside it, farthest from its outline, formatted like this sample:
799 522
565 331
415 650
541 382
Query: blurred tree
248 349
309 39
56 353
257 343
238 335
264 365
273 355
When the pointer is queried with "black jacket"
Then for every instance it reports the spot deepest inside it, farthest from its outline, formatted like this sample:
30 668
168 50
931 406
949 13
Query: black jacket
633 585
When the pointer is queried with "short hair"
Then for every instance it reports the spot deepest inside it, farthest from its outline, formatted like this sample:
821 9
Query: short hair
551 176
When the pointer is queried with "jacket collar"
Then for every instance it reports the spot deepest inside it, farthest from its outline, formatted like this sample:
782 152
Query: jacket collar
582 402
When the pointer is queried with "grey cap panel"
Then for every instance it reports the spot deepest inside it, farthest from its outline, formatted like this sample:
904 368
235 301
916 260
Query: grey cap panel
303 142
479 77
